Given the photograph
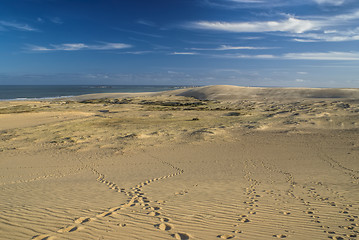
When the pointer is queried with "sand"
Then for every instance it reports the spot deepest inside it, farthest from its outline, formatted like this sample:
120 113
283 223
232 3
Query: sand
217 162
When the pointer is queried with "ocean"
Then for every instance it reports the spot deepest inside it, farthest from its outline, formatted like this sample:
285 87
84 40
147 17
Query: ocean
18 92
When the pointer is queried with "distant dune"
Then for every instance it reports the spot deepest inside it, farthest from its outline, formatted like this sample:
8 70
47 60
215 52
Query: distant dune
233 93
236 93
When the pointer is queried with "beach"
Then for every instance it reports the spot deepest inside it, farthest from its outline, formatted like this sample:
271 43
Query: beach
215 162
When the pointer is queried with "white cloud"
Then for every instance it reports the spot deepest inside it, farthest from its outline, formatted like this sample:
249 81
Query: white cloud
328 56
146 23
17 26
261 56
247 1
337 28
340 56
330 2
79 46
291 24
344 17
184 53
228 47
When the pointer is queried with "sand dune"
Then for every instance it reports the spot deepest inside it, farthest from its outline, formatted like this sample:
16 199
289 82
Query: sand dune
233 93
217 162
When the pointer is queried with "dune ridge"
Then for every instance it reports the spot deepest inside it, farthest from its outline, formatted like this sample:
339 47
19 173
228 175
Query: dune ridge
233 93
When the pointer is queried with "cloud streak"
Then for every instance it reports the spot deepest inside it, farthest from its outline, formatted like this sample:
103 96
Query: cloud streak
184 53
16 26
78 47
337 28
324 56
228 47
291 24
330 2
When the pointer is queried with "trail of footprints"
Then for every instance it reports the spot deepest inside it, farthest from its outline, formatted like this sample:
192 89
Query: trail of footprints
336 165
251 204
55 175
136 198
314 214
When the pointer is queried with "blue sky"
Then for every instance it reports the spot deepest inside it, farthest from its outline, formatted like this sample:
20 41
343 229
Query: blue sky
290 43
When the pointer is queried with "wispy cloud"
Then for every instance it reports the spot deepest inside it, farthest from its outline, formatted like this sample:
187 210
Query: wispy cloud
139 33
56 20
228 47
339 56
326 56
337 28
330 2
17 26
291 24
146 23
78 46
329 36
184 53
255 4
247 1
260 56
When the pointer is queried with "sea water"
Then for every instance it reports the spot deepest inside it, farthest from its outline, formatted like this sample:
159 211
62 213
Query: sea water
27 92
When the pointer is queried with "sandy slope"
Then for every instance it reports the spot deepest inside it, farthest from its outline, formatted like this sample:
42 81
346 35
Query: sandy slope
172 167
234 93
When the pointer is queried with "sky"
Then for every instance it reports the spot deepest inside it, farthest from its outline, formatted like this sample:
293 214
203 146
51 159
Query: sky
277 43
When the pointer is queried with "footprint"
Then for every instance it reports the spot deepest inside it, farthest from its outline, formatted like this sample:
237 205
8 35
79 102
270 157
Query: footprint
82 220
68 229
163 226
280 236
152 214
243 220
105 214
180 236
337 238
225 236
164 220
42 237
114 209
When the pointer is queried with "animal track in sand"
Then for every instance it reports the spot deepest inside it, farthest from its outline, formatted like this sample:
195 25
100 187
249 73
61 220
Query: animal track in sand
164 220
42 237
284 212
71 172
69 229
226 236
180 236
153 214
81 220
338 166
244 220
279 236
163 226
136 198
